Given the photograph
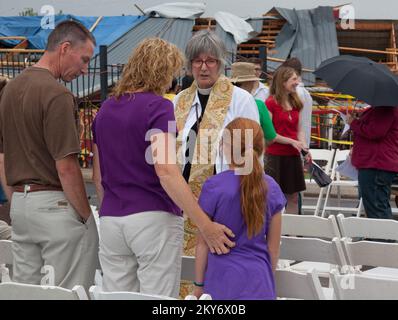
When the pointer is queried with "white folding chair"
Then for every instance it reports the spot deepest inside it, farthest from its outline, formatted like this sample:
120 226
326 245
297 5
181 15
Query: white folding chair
359 227
21 291
297 285
382 255
393 209
188 268
371 253
394 189
204 296
187 274
313 250
309 226
340 155
363 287
6 258
96 293
353 228
320 155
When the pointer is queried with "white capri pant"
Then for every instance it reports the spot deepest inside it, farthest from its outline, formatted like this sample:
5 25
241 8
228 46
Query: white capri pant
142 252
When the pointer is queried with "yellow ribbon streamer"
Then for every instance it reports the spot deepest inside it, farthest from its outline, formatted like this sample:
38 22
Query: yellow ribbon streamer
333 141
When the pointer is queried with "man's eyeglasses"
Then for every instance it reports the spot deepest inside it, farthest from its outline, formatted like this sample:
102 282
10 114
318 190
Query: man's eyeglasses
210 63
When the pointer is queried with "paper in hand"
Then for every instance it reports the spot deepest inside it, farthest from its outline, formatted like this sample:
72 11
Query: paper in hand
344 118
347 169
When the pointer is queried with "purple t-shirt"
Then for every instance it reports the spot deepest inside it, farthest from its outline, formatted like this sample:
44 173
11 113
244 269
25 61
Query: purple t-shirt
246 272
120 132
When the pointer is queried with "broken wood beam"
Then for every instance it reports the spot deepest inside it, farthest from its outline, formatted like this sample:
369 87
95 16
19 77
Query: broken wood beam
366 50
22 65
392 52
394 45
96 23
23 50
13 38
283 60
366 26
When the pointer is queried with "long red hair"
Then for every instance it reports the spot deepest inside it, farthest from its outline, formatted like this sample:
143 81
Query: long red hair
253 188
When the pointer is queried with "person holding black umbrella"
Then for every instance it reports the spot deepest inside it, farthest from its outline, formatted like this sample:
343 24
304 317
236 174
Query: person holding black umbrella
375 155
375 151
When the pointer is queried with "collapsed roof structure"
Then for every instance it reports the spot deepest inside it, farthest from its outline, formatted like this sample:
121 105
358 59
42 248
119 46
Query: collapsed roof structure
311 35
32 32
317 34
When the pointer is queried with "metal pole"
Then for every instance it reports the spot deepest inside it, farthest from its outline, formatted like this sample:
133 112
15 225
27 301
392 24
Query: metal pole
139 9
104 72
263 57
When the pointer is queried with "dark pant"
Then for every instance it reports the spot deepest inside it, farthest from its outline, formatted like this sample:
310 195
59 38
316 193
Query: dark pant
375 188
300 203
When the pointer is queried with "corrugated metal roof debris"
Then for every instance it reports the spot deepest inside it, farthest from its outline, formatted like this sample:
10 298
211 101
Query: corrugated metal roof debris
309 35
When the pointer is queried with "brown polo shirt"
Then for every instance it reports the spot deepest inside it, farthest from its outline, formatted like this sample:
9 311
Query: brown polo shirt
37 127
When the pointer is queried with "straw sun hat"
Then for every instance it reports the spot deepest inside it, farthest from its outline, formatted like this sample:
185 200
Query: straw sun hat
243 71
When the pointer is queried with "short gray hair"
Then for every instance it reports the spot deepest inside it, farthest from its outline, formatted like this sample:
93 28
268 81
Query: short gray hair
205 41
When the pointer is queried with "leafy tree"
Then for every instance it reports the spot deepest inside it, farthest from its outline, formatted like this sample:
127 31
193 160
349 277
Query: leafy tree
28 12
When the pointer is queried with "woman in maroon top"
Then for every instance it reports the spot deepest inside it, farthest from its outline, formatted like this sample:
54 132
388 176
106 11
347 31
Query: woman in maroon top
375 155
283 161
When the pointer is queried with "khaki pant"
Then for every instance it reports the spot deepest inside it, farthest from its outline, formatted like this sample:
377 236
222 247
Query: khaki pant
50 243
142 252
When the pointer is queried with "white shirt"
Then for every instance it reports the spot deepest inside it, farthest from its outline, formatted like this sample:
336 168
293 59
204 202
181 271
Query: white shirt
242 105
261 93
306 113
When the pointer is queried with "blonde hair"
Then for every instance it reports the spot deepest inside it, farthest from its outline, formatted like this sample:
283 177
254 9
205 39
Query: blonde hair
151 68
278 90
253 188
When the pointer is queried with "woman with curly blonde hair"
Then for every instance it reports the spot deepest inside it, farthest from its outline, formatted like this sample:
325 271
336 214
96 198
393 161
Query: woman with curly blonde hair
139 185
151 67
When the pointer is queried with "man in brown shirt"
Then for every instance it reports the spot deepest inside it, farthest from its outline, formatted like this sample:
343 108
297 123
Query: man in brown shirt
5 229
53 230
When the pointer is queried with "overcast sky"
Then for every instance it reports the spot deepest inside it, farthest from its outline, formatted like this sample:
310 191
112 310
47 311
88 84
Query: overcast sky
365 9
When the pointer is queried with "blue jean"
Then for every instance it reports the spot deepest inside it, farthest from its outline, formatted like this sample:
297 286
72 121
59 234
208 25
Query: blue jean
375 189
3 198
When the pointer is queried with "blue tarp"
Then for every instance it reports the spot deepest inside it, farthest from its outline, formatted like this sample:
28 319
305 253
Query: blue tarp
107 31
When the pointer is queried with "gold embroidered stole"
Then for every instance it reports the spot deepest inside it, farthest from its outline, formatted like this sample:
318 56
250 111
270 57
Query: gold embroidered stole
204 156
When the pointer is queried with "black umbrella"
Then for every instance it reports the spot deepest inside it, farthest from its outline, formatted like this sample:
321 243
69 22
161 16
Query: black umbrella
362 78
317 173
